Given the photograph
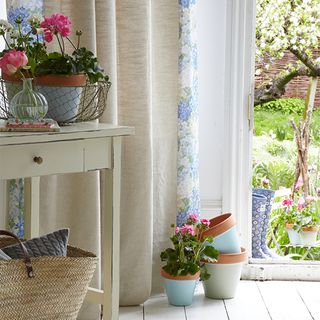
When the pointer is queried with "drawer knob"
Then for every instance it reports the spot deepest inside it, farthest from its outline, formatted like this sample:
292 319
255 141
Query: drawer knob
38 160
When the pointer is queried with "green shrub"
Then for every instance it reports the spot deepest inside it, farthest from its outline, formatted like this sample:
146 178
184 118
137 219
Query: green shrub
279 174
285 106
265 122
281 133
275 148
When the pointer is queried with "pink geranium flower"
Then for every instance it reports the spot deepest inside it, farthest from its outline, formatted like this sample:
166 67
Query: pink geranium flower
205 222
177 230
12 61
287 202
56 24
187 229
193 218
301 203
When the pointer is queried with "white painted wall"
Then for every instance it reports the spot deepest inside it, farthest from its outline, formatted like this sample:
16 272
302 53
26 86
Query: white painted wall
211 29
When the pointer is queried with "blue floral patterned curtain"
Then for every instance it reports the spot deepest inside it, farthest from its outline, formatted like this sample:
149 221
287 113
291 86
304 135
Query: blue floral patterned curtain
23 9
188 116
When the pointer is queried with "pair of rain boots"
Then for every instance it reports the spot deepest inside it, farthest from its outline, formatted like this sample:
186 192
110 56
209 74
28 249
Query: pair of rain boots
262 200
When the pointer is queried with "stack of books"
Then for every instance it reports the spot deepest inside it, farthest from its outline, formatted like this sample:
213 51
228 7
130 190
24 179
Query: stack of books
30 125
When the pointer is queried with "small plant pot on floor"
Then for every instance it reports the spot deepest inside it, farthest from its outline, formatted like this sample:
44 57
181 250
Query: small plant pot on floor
294 236
180 289
225 275
309 235
223 229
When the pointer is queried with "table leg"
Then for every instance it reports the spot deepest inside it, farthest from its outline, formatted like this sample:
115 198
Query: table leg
3 205
31 207
111 235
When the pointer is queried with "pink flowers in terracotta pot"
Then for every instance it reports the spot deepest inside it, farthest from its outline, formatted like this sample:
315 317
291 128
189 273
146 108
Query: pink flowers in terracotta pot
13 61
54 25
189 249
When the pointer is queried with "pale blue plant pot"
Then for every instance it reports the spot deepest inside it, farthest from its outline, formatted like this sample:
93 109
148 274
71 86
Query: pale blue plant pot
180 292
63 102
224 231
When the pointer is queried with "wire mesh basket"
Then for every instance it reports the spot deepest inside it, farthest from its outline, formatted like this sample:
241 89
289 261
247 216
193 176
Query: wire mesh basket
66 104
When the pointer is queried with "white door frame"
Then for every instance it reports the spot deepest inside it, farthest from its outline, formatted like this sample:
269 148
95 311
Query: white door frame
237 159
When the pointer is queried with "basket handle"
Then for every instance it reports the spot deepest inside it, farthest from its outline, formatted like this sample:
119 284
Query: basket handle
26 257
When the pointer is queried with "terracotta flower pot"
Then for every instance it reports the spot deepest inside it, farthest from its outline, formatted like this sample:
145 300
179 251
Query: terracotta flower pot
225 275
223 229
309 235
294 236
180 289
63 93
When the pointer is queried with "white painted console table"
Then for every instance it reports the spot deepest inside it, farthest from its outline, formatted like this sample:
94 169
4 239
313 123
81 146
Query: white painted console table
80 147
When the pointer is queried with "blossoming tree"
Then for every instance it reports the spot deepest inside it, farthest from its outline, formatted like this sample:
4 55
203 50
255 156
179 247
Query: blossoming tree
291 25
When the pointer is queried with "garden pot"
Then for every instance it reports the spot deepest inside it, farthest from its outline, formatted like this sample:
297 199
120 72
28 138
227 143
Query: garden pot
180 290
223 229
225 275
309 235
294 236
63 94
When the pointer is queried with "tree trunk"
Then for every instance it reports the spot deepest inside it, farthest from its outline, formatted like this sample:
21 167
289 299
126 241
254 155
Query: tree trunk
302 136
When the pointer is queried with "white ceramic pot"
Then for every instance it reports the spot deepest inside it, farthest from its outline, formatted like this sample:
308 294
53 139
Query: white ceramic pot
225 275
309 235
294 236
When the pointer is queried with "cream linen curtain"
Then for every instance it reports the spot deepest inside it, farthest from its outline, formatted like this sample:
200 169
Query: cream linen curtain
136 42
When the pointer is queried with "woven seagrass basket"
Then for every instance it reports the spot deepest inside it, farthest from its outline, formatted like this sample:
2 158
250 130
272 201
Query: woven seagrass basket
53 290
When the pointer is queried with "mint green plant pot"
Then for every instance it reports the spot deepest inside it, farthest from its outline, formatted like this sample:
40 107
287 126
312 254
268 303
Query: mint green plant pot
225 275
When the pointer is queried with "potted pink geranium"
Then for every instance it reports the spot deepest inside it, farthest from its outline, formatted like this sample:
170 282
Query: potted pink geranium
58 75
184 260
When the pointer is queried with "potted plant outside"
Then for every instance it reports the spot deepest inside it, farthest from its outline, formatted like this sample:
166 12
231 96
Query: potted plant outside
184 266
59 76
302 220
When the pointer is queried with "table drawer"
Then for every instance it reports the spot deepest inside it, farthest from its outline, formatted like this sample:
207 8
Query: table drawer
97 153
17 161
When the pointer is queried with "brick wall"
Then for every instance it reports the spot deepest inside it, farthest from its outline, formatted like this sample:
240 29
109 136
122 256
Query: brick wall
296 88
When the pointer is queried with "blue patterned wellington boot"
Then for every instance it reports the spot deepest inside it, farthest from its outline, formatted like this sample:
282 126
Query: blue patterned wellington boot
258 209
269 194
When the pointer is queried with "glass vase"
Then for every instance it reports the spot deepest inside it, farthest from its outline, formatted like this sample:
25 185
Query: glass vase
28 104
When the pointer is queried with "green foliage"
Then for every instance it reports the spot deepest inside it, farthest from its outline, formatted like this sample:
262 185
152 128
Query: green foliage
278 173
281 133
85 62
275 148
285 106
81 61
189 250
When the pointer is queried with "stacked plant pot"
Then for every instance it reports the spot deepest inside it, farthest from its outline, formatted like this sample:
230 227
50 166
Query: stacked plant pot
226 271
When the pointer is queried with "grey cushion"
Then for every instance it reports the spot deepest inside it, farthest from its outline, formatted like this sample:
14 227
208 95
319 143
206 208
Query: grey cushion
52 244
3 256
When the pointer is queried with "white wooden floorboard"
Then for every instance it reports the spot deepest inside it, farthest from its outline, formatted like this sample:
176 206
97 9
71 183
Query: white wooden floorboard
204 308
131 313
160 309
310 293
247 304
283 301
